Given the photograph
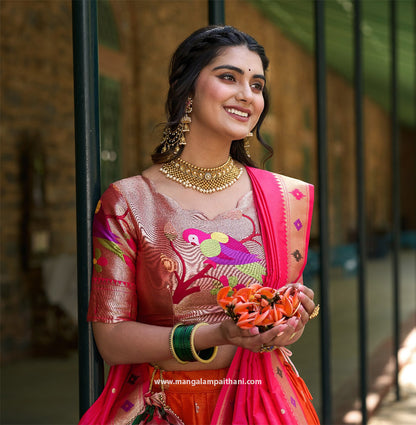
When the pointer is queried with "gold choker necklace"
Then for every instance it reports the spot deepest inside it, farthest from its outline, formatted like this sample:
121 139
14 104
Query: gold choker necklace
204 180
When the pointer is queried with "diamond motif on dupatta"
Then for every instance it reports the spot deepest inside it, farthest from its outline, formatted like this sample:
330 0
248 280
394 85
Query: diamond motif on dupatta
297 194
298 224
297 255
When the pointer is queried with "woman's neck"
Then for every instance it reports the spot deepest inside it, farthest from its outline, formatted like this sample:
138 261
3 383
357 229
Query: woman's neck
206 155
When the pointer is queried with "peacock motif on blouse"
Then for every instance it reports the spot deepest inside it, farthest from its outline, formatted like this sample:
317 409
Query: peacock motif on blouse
218 249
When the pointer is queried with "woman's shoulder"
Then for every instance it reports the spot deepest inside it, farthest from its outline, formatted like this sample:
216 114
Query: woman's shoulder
127 190
140 181
286 180
125 185
291 180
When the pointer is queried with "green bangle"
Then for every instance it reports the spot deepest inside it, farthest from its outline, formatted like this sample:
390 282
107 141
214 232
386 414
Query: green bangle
172 345
182 347
203 356
182 342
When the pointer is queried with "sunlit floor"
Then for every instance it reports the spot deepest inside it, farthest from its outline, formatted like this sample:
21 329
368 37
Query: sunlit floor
45 390
403 412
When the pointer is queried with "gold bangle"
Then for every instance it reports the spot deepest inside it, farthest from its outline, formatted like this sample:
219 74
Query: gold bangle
203 356
171 347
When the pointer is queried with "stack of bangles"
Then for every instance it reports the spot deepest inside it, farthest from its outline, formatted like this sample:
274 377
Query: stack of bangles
181 344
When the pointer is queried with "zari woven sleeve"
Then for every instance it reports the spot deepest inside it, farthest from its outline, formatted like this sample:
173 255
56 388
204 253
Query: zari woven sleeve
113 292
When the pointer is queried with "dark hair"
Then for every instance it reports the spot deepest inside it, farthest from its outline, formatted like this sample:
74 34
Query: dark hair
193 54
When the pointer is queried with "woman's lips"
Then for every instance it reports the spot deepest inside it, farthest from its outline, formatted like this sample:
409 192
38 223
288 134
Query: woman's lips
238 113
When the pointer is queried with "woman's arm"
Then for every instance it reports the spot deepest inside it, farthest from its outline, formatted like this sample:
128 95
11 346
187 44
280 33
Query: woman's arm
131 342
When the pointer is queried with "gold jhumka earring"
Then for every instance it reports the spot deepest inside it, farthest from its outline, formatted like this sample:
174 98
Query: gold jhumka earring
174 139
247 144
186 119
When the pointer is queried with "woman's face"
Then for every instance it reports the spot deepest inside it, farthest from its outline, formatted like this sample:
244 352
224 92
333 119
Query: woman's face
228 98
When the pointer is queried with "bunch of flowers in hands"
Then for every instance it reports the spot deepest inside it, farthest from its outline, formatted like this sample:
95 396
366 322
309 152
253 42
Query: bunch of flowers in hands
258 305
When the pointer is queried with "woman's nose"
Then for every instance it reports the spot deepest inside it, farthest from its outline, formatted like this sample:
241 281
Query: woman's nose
244 94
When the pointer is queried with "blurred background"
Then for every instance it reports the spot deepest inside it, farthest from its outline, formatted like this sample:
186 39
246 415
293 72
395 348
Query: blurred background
39 364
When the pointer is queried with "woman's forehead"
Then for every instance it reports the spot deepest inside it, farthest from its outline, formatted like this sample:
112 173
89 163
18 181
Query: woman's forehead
239 56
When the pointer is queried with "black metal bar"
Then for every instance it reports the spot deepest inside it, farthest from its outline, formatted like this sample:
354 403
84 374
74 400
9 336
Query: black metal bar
361 227
395 192
87 152
320 63
216 13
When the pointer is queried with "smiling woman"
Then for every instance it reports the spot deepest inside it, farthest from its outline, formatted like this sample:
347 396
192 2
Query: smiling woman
227 103
201 219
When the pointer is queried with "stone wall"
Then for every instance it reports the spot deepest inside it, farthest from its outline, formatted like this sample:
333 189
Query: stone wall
36 111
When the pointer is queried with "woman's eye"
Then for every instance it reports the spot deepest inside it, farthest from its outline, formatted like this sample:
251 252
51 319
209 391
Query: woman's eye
258 86
228 77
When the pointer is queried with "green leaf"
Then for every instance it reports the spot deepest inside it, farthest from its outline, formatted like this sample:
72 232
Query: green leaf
113 247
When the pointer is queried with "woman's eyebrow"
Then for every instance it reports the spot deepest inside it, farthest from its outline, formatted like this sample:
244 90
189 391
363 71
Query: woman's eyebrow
239 70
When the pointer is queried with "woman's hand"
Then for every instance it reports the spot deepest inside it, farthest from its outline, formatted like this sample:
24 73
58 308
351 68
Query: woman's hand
306 296
280 335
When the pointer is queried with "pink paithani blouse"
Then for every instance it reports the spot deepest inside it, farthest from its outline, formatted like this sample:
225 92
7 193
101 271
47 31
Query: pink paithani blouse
157 263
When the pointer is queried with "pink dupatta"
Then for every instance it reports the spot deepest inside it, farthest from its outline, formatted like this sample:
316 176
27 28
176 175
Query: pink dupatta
269 389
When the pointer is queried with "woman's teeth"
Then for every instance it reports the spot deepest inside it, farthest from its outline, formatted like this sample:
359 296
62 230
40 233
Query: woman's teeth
237 112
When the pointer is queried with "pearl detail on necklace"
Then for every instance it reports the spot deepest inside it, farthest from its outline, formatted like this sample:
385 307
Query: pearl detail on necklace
204 180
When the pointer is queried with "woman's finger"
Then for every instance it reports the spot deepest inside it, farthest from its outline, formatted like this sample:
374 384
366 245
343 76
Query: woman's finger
307 291
307 302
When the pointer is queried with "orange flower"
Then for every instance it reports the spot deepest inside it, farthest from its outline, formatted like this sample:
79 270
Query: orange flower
258 305
290 302
247 320
225 296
